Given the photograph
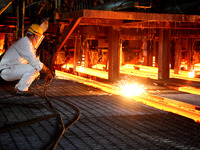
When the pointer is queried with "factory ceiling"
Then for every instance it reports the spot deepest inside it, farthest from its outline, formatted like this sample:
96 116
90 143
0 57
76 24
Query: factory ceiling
143 14
152 6
135 19
42 7
140 14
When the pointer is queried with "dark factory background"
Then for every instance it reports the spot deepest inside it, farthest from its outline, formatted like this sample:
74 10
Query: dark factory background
69 44
127 75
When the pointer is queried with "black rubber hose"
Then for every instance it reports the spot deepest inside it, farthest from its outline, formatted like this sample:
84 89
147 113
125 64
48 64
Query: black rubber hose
55 142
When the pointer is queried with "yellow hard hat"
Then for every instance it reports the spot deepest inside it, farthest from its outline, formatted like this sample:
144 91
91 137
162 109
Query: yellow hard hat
36 29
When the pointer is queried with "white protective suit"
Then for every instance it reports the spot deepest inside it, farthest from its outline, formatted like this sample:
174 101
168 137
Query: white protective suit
20 63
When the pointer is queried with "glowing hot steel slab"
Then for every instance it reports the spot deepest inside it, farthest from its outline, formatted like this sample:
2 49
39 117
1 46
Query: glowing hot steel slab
152 72
192 90
145 71
89 71
177 107
130 69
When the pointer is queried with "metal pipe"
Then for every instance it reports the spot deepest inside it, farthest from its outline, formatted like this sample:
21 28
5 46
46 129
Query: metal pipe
23 16
17 26
58 5
3 9
20 17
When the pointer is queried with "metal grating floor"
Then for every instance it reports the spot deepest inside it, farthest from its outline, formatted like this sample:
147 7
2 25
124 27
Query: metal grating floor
107 121
187 98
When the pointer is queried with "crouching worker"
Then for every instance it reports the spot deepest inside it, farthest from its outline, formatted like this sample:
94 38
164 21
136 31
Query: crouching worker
20 62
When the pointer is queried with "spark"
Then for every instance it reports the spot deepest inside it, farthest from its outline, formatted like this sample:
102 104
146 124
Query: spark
191 74
133 89
81 69
129 88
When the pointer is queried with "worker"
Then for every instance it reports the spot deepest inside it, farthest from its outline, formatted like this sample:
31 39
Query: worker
20 62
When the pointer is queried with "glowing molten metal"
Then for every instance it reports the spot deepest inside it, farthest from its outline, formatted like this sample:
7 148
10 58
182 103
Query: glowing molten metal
191 74
133 89
129 88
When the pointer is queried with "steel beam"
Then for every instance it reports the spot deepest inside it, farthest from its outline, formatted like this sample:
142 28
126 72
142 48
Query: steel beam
114 54
189 55
4 8
99 14
163 54
63 39
178 49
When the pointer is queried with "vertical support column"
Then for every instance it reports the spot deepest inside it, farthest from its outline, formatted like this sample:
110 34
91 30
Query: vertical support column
114 54
2 42
58 6
121 55
145 49
21 15
17 26
75 53
178 49
163 52
82 51
86 54
189 55
155 51
172 61
147 53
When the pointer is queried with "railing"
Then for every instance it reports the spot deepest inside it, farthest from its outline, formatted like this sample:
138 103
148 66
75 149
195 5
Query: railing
83 4
74 5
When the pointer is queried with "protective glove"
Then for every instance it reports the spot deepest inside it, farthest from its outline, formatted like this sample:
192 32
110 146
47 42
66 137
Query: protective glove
46 74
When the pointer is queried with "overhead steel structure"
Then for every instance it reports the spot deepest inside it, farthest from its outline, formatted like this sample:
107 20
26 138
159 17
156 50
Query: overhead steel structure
161 33
165 37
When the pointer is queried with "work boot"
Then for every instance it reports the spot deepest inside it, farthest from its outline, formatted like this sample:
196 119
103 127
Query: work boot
23 93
